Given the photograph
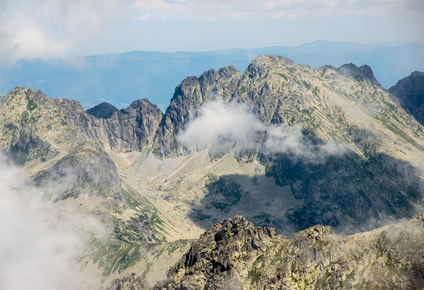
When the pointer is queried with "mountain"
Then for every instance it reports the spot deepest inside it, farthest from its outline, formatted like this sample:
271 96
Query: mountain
235 254
283 144
410 91
120 78
102 110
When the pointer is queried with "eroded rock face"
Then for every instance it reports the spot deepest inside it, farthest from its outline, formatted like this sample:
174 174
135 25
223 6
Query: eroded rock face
34 122
214 259
185 104
410 91
362 73
234 254
102 110
135 127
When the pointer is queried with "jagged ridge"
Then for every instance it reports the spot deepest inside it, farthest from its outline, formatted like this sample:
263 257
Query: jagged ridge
235 254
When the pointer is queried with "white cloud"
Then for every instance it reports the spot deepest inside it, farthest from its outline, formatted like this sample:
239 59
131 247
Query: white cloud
75 27
221 125
37 250
219 121
24 38
49 29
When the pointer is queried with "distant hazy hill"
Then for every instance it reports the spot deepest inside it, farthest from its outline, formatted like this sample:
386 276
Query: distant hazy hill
120 78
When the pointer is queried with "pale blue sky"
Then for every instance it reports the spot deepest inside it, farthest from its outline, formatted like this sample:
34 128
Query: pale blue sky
55 28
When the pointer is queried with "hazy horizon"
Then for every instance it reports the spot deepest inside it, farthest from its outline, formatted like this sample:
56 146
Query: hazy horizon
49 29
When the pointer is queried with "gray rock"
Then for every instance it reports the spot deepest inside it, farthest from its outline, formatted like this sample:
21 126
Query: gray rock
102 110
236 255
410 91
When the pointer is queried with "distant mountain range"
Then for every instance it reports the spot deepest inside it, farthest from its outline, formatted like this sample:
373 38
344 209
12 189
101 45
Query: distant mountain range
121 78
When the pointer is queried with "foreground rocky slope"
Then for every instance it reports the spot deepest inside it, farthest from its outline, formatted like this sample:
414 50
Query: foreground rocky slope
235 254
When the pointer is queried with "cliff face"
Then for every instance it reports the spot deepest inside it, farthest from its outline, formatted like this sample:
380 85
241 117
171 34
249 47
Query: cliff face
133 128
235 254
335 104
410 91
35 126
102 110
185 104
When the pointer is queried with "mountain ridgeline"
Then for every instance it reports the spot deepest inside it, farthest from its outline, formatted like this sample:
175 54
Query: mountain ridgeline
325 146
344 105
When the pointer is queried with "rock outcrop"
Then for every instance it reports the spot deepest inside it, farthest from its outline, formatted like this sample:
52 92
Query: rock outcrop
410 91
234 254
131 282
133 128
102 110
360 74
185 104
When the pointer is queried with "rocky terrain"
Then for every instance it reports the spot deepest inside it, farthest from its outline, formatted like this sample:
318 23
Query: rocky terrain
102 110
235 254
292 147
410 91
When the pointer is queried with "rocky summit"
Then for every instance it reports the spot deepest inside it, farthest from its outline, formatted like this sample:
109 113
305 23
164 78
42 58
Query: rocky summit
286 146
235 254
102 110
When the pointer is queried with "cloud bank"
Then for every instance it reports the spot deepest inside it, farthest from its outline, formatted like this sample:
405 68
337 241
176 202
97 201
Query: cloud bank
38 247
221 126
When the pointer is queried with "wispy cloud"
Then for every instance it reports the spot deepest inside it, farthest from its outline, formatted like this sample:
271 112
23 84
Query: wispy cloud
49 28
37 248
23 38
221 126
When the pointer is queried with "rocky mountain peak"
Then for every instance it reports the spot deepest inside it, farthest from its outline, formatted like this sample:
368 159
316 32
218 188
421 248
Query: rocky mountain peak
140 107
220 250
410 90
228 71
306 178
185 104
362 73
134 127
102 110
311 259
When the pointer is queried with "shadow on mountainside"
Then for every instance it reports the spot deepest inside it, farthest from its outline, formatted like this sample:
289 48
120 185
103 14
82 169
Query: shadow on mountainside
346 192
257 198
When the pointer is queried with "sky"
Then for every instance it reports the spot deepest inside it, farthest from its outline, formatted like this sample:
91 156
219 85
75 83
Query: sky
60 28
